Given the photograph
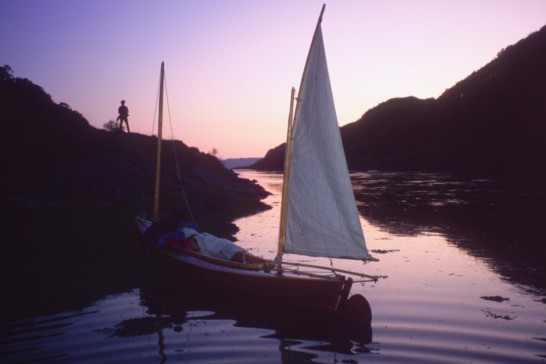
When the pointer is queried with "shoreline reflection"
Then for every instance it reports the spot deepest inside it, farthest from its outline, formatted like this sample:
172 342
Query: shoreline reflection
483 217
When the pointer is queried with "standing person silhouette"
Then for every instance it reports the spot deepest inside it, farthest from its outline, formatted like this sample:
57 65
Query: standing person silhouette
123 112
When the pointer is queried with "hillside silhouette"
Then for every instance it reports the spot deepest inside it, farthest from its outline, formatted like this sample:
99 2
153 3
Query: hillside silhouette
70 193
491 123
49 148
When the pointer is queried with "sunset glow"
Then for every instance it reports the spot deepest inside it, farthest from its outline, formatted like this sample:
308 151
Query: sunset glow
230 64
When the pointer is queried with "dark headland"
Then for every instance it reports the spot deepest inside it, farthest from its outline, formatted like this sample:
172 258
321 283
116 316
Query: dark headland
492 123
70 193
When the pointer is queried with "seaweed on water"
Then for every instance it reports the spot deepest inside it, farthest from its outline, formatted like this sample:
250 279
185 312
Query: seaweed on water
495 298
383 251
488 313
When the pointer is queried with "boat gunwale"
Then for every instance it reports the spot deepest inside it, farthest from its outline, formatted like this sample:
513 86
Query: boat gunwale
257 270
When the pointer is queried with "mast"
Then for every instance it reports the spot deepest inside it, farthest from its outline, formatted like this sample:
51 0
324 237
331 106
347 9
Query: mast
159 142
285 180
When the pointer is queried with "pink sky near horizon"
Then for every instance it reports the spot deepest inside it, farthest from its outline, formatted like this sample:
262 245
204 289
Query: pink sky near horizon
230 64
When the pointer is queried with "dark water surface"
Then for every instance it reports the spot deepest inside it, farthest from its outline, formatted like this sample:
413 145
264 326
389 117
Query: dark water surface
466 283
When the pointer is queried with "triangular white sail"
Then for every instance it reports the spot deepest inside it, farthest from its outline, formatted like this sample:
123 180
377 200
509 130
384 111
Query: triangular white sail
321 218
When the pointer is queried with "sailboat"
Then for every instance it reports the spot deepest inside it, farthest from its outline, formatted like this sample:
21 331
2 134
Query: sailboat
319 217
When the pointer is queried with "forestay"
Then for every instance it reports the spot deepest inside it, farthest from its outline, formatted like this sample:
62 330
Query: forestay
321 214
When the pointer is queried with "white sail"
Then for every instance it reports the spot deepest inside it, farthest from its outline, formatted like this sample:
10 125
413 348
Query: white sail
321 218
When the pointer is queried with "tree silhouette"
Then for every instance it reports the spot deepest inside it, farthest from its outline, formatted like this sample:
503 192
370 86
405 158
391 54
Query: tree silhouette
111 125
6 73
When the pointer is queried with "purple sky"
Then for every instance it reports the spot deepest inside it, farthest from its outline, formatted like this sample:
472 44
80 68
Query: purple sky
230 64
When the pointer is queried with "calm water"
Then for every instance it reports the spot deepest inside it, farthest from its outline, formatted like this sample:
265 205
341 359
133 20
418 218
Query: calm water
450 295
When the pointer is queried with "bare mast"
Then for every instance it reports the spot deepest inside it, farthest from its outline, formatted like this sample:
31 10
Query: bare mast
159 142
285 180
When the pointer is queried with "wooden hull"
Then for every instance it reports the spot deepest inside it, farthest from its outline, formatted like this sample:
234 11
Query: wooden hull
251 283
241 281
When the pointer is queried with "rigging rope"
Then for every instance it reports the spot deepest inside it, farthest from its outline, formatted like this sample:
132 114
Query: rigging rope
156 107
177 164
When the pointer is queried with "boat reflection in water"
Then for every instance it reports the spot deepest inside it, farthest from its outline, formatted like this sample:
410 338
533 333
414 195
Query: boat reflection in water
170 323
174 308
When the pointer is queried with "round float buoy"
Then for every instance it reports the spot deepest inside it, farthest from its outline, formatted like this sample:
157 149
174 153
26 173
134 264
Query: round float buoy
358 310
357 319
